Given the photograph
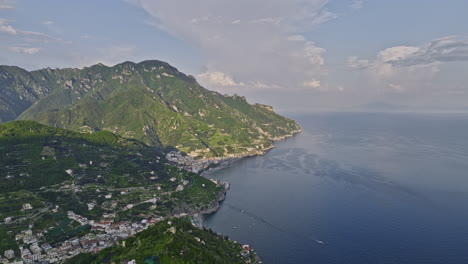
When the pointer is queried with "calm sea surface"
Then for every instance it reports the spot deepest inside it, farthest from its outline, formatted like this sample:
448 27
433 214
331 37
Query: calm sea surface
355 188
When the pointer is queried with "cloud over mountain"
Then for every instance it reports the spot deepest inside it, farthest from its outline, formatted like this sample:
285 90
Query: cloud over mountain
249 41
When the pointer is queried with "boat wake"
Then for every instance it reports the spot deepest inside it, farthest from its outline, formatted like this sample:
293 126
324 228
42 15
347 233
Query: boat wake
270 225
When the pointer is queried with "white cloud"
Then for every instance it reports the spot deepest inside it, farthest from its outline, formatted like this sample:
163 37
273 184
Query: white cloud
48 22
357 4
224 83
312 84
261 85
296 38
244 39
217 79
267 20
7 4
317 86
37 36
446 49
398 53
356 63
30 36
23 50
400 68
322 17
8 29
313 53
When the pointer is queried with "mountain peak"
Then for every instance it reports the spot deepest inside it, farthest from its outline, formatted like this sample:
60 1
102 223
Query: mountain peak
150 101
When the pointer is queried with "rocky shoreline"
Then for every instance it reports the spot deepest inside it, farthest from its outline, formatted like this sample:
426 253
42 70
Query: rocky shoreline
222 163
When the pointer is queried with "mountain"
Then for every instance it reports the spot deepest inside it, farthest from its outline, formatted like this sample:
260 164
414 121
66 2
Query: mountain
150 101
59 184
18 91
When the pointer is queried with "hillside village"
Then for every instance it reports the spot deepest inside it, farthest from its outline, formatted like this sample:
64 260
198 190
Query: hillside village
103 195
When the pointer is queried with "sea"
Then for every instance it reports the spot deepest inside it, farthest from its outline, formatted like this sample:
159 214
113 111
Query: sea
354 188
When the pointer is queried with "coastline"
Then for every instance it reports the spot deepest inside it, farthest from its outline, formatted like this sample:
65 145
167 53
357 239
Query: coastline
215 205
224 162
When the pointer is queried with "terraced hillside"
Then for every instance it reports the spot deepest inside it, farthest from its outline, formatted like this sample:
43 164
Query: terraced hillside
103 179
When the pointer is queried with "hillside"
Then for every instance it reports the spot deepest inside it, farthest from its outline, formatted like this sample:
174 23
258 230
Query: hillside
107 182
18 91
149 101
171 242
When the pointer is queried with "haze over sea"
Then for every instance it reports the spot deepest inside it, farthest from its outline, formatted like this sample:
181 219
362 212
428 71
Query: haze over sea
355 188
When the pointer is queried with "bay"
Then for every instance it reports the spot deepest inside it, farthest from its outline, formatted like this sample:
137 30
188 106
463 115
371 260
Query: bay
354 188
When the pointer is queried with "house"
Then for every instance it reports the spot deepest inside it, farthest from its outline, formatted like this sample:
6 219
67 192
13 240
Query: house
35 248
27 206
9 254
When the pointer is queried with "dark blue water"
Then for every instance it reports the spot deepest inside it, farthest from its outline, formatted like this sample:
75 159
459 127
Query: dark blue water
355 188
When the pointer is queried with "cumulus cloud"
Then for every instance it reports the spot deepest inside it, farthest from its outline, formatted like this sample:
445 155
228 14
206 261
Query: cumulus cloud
226 83
410 66
23 50
355 63
217 79
6 28
446 49
258 42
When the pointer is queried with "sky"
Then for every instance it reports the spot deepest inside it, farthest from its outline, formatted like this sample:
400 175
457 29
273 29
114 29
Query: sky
297 55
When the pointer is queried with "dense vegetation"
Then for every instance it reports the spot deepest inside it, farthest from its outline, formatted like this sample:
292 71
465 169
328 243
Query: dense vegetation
56 170
150 101
175 243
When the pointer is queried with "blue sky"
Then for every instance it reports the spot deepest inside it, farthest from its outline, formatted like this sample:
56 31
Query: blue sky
298 55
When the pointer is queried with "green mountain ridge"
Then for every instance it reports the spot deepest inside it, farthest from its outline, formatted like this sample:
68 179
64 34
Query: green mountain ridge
150 101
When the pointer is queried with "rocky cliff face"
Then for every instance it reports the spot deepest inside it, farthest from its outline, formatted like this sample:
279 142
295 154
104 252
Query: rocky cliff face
150 101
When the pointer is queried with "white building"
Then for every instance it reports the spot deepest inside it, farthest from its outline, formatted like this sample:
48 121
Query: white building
27 206
9 254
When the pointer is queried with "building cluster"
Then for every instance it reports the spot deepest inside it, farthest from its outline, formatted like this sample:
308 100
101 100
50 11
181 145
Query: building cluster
188 163
105 234
80 219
